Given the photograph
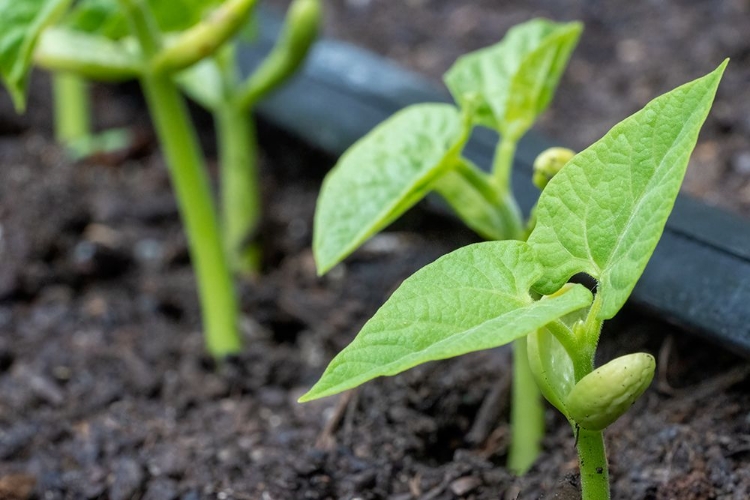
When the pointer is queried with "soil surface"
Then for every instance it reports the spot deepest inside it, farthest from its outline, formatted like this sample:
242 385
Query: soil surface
106 390
629 53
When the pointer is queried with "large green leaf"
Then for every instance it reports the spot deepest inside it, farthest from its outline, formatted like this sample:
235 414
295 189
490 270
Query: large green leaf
604 212
382 176
472 299
102 17
105 17
23 22
513 81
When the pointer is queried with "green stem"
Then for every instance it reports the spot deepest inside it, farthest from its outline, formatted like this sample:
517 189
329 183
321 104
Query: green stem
527 413
502 164
591 453
192 188
191 184
143 26
240 192
592 459
527 407
72 111
299 32
204 38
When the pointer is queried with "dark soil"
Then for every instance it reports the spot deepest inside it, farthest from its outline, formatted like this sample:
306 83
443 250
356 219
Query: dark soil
629 53
106 390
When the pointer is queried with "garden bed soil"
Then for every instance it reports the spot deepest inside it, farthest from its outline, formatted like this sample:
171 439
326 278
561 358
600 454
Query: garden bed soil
106 390
629 53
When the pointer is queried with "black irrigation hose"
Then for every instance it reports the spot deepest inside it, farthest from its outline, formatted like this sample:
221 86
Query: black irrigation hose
699 275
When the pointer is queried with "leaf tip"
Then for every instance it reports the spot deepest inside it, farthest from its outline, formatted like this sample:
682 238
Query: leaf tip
19 100
322 264
722 66
306 397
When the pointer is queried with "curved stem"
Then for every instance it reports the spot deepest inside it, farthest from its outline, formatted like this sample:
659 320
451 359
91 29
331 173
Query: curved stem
527 413
592 458
502 164
204 38
299 32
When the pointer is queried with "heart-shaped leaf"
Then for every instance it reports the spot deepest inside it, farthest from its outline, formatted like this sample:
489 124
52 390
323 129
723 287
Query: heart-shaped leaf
512 82
381 176
472 299
605 211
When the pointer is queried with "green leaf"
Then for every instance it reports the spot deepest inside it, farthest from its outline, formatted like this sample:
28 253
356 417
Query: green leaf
23 22
177 15
604 212
472 208
472 299
383 175
102 17
89 55
203 83
105 17
512 82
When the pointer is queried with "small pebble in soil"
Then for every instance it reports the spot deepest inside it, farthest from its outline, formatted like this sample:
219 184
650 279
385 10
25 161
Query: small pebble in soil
161 489
127 479
741 163
16 486
465 485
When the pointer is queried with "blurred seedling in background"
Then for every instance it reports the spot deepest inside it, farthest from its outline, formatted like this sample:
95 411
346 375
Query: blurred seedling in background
602 214
154 41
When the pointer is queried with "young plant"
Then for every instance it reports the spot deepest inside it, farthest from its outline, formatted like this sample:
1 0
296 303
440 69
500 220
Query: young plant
504 87
602 214
149 55
214 83
24 23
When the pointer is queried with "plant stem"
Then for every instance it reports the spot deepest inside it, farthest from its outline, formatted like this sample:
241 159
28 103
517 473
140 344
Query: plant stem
192 188
527 413
72 111
527 410
191 184
240 192
592 458
502 164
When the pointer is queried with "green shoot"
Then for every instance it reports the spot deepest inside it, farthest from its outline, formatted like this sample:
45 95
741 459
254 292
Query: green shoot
504 87
215 84
163 44
603 214
137 42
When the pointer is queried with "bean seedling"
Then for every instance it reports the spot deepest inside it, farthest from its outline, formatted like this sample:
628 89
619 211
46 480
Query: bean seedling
602 214
504 87
214 83
152 41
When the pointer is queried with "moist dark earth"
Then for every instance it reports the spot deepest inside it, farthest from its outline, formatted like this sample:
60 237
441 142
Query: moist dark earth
106 390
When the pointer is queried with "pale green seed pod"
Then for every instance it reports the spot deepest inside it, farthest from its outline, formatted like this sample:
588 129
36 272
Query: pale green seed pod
605 394
549 163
